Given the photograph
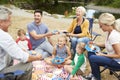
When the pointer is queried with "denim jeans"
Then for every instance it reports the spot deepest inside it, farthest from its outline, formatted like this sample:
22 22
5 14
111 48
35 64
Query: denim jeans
97 61
75 40
27 67
45 49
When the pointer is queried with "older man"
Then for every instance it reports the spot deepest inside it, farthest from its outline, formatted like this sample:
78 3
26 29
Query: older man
9 49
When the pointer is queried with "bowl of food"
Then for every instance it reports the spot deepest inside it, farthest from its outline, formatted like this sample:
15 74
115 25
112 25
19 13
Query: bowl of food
58 60
92 48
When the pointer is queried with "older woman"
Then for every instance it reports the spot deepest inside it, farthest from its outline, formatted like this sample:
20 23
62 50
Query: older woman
79 28
108 24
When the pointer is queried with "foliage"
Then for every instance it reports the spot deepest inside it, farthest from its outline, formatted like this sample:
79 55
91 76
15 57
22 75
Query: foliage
112 3
4 1
116 4
97 14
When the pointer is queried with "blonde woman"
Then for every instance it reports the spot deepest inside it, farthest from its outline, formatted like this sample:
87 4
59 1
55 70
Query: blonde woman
79 28
109 25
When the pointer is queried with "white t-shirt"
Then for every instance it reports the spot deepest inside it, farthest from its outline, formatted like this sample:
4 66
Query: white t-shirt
113 38
23 44
10 47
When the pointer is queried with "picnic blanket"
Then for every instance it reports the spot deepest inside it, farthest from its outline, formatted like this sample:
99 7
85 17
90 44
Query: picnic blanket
43 71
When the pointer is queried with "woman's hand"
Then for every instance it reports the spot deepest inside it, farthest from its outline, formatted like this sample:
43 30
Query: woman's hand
100 54
70 34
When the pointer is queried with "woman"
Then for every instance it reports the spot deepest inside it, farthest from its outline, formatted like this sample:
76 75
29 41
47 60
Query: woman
108 24
79 28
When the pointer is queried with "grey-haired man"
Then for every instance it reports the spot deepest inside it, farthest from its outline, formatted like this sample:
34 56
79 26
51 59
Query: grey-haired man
9 49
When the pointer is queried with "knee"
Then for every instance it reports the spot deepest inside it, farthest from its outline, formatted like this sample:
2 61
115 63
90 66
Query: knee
65 67
90 54
84 40
45 55
80 40
92 58
73 39
29 66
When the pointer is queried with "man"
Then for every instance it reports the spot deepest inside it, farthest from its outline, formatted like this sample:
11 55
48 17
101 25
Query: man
9 49
38 33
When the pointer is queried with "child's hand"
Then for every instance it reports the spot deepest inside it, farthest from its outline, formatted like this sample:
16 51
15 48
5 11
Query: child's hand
73 77
65 59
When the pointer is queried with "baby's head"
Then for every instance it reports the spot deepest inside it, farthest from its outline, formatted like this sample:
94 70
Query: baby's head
80 47
62 39
21 34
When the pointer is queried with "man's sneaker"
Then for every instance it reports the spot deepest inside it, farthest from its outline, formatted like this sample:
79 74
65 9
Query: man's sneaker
93 78
89 77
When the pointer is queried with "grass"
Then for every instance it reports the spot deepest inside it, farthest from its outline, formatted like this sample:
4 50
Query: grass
54 24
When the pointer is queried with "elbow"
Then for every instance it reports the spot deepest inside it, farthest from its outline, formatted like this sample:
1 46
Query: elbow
36 38
119 55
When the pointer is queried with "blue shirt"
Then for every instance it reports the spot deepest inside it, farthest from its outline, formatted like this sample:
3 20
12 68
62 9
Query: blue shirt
61 52
39 29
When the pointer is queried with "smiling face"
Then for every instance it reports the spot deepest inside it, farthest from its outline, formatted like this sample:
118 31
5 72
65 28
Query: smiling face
5 23
37 17
104 27
80 47
79 12
5 19
61 41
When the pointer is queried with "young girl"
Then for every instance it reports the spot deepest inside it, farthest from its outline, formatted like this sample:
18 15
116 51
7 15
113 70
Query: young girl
22 41
61 50
78 64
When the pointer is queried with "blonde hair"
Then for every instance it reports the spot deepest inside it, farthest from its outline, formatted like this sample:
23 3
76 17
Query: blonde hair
82 9
109 19
117 25
63 36
81 45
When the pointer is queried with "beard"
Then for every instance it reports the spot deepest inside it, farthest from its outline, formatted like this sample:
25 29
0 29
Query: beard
37 21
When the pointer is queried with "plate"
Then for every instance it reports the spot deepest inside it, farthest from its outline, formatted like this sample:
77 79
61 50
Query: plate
57 78
58 60
92 48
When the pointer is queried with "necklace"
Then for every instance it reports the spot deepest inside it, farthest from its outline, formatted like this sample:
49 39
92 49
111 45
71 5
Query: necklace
79 22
